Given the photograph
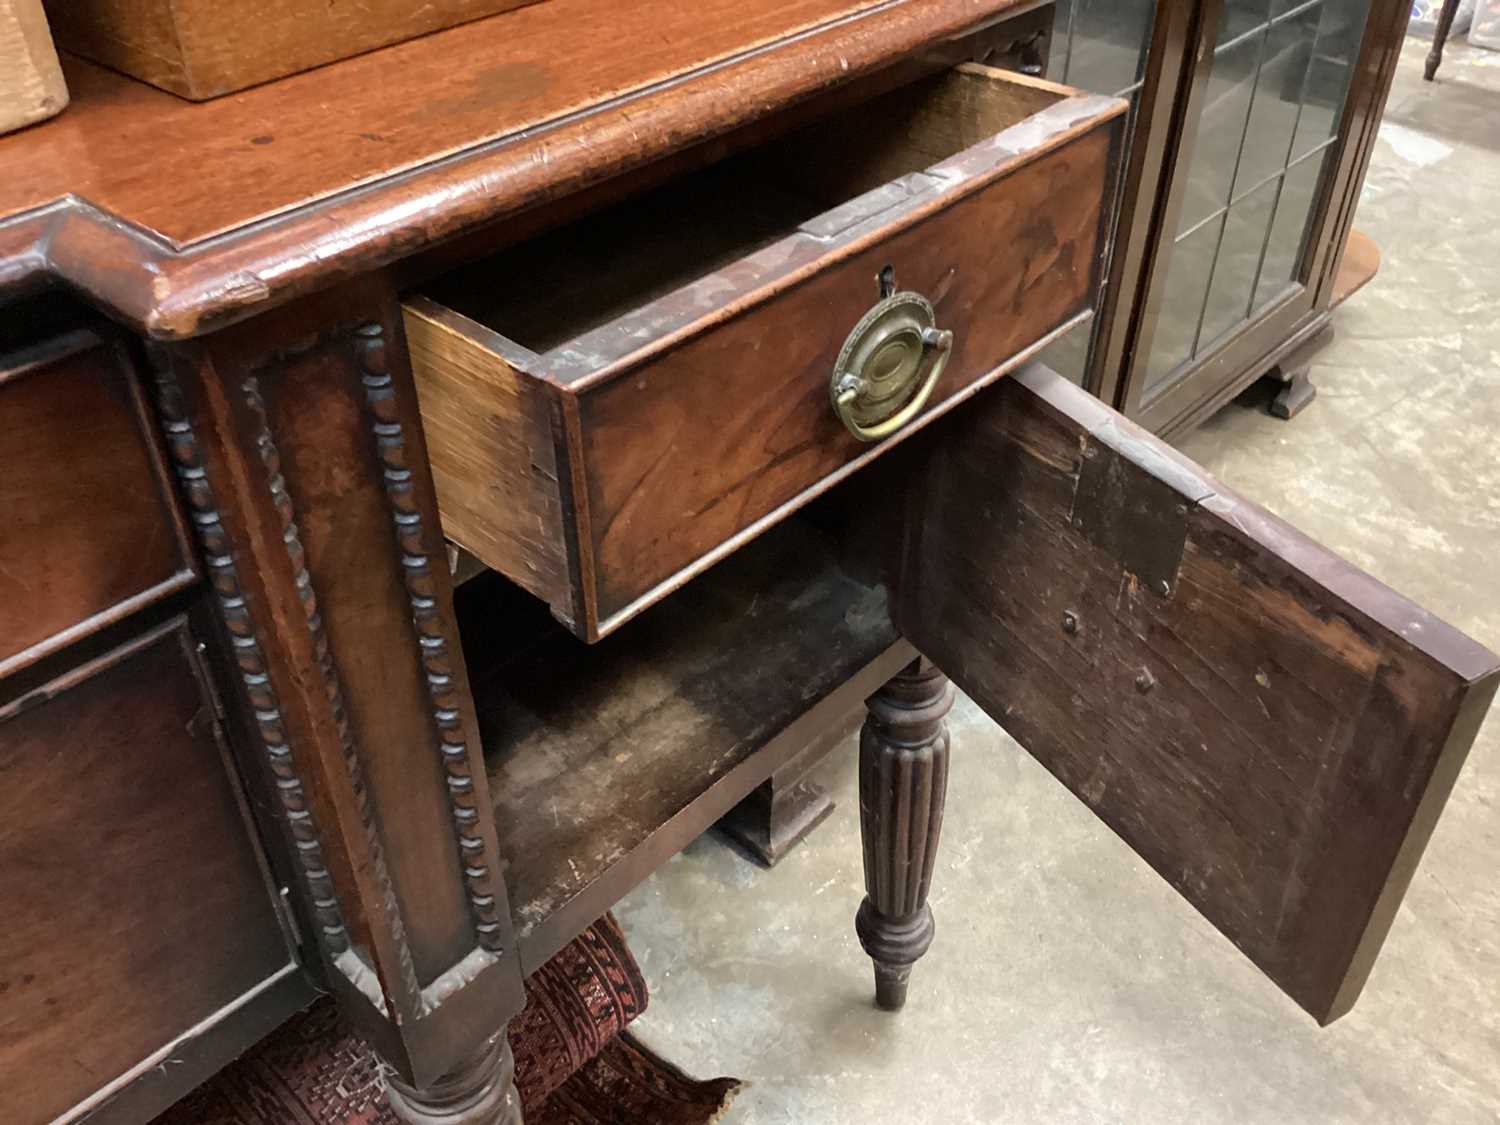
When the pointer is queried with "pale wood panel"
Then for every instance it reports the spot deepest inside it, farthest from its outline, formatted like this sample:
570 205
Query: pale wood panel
204 48
31 82
493 461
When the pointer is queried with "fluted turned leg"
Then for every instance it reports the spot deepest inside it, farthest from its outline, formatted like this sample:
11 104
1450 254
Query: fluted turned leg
903 780
482 1092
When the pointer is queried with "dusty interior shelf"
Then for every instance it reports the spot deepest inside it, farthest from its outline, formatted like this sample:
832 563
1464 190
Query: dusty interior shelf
606 760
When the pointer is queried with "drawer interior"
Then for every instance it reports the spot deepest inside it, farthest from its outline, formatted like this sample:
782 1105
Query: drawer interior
545 292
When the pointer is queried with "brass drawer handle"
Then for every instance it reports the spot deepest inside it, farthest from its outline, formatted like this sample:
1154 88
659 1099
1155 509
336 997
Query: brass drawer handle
888 366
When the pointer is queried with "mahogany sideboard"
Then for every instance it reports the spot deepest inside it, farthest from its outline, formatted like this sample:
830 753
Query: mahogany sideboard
702 336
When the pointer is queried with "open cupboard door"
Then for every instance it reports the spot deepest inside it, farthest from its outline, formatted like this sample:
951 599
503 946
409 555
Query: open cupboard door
1272 730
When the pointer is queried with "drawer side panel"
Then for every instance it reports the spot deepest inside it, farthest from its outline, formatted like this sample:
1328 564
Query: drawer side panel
494 463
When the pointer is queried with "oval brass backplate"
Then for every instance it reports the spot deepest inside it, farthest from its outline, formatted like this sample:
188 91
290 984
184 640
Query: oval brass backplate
888 366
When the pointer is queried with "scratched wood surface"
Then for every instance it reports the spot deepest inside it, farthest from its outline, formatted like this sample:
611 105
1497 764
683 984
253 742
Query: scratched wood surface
126 195
277 146
1275 736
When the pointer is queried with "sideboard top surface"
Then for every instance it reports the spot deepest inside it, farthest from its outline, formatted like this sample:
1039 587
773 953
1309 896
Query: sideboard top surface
177 217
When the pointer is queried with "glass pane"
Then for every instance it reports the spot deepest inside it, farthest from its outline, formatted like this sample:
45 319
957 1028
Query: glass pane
1278 94
1109 44
1057 57
1299 194
1274 89
1221 131
1341 28
1068 354
1240 17
1237 264
1188 270
1099 46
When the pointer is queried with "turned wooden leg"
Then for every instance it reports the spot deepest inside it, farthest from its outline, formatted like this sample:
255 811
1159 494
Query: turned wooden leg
482 1092
1439 38
903 779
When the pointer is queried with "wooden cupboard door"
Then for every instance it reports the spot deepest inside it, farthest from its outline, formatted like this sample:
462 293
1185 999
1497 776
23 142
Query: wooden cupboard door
135 907
1272 730
90 530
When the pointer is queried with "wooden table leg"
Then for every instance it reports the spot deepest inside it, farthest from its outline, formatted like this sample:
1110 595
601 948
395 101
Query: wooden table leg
903 780
297 441
1439 38
483 1092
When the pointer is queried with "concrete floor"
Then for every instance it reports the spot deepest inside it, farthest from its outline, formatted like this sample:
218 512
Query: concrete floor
1067 982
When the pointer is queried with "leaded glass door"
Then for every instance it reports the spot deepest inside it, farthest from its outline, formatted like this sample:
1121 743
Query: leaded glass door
1100 46
1256 161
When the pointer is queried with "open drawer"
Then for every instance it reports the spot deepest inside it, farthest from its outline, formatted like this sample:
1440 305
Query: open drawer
612 406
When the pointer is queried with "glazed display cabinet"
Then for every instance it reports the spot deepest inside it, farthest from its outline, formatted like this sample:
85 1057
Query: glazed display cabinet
1250 127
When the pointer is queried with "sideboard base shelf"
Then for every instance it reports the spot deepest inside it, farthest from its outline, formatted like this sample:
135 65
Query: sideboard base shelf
605 760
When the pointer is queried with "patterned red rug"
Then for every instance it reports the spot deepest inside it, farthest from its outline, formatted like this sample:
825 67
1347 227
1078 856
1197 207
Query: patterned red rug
575 1063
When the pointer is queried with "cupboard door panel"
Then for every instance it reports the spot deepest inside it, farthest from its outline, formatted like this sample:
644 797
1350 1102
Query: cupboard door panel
1274 731
90 530
136 911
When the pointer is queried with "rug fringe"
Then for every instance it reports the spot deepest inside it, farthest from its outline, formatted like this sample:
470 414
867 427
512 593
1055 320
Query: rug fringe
725 1102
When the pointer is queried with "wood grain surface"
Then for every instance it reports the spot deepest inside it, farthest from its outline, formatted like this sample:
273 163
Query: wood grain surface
133 195
494 461
91 530
720 453
204 48
135 904
687 336
1272 730
31 81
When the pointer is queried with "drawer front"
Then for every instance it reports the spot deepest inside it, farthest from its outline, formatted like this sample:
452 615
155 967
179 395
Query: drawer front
134 899
90 531
1270 729
711 437
676 355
